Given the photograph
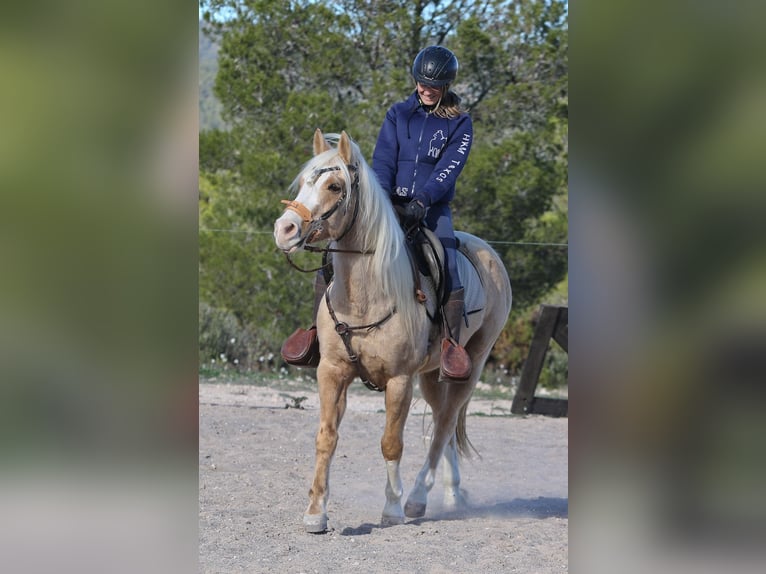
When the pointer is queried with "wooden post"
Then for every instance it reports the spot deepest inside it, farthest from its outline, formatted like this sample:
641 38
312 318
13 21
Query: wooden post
553 324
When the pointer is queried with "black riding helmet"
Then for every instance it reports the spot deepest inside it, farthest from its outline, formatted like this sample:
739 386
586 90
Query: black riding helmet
435 66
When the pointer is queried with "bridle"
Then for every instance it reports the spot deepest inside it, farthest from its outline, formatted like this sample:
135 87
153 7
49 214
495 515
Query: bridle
315 225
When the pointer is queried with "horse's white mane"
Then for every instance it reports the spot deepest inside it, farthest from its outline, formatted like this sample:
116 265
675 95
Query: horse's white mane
377 228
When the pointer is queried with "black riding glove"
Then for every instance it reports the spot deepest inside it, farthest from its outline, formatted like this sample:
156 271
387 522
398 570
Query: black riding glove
414 213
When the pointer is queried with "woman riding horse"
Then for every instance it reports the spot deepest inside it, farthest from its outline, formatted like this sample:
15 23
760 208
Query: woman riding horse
421 149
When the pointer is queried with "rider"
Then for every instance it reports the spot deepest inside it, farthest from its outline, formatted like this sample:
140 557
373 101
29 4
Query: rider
422 147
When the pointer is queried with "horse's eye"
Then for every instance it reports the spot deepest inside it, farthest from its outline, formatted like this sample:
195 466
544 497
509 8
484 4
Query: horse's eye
334 187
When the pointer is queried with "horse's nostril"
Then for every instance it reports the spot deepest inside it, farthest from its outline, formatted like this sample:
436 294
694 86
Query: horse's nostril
285 230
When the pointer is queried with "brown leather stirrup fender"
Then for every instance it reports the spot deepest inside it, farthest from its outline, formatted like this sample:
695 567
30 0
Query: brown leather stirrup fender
302 347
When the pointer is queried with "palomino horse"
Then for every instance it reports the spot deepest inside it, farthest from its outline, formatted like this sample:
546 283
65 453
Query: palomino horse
371 324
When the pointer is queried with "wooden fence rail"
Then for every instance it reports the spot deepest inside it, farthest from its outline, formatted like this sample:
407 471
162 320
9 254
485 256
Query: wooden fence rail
553 324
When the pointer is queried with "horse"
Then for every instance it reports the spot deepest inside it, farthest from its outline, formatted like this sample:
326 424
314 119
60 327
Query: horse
371 324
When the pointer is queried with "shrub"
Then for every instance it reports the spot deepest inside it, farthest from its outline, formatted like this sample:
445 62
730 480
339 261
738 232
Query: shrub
222 338
555 368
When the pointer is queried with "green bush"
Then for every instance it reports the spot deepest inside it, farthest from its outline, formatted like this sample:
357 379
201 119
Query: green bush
555 368
222 338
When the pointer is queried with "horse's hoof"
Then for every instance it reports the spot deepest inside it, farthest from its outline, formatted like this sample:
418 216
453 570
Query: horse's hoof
391 520
315 523
414 510
455 499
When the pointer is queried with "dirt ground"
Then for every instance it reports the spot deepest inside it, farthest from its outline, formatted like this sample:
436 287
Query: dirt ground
255 467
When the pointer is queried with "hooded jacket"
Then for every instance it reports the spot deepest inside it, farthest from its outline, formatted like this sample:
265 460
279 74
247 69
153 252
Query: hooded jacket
419 155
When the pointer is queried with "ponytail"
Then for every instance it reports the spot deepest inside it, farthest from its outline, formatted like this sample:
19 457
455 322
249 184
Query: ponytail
449 105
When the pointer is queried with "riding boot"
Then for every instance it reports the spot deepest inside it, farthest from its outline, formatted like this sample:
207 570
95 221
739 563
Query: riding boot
302 347
455 362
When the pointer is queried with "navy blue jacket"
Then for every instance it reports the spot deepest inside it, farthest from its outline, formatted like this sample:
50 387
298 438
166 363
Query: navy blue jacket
419 155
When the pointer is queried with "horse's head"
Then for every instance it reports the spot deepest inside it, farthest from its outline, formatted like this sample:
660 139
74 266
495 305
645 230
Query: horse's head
339 199
325 189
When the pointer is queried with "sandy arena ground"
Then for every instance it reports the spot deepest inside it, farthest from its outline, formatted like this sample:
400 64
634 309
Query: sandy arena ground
255 467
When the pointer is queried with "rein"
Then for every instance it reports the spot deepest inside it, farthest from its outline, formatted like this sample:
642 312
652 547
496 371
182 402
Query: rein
325 250
316 224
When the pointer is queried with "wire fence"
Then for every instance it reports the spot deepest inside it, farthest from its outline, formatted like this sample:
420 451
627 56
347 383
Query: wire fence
491 242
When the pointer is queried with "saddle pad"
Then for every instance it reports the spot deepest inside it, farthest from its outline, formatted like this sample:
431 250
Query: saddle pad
475 298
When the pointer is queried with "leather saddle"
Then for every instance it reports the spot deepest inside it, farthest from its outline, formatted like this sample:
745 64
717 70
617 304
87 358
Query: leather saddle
426 254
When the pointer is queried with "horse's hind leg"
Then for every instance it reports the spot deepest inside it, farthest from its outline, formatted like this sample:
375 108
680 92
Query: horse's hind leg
453 496
398 398
445 401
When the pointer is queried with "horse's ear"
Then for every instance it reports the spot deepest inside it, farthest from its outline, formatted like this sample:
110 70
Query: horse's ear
320 144
344 147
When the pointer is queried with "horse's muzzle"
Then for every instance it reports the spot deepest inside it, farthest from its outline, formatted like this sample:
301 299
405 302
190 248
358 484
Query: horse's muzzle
287 233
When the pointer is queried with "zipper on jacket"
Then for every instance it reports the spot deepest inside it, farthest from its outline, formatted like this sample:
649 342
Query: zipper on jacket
417 154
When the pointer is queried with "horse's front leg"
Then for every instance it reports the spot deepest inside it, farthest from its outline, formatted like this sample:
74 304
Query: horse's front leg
333 383
398 397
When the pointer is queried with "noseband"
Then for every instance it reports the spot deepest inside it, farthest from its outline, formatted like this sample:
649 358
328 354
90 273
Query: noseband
314 225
